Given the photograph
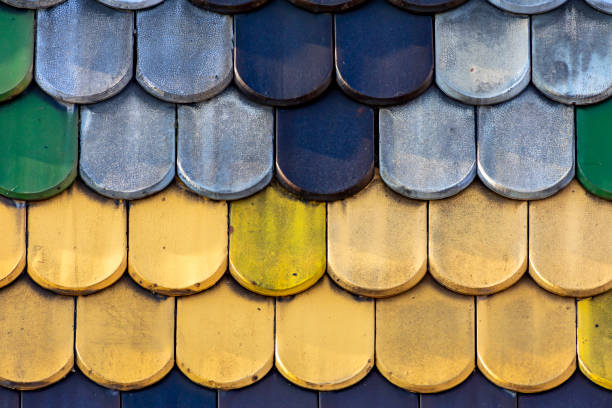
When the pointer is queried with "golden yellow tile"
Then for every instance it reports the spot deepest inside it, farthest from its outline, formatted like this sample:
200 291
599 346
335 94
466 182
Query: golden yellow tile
570 242
526 337
178 241
477 241
277 242
125 336
595 338
377 230
77 241
225 336
12 239
425 338
36 335
324 337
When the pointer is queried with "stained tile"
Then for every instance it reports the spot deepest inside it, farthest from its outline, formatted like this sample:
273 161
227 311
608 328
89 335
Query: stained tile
325 150
38 158
520 155
130 4
373 231
36 332
9 398
425 338
83 51
477 241
125 336
526 337
277 242
527 6
383 64
482 53
288 62
427 6
31 4
312 328
601 5
579 263
320 6
225 146
423 158
16 50
572 54
127 145
229 6
225 336
594 150
577 392
595 339
12 241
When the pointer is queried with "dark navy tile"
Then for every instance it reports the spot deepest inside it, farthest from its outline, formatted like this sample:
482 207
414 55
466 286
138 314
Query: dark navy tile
283 55
427 6
577 392
325 150
9 398
383 56
229 6
319 6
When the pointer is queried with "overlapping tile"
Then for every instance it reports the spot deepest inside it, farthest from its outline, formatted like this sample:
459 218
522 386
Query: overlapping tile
210 136
595 339
128 145
527 6
325 150
16 50
83 51
12 240
482 53
32 4
577 392
130 4
424 158
427 6
229 6
319 6
601 5
383 64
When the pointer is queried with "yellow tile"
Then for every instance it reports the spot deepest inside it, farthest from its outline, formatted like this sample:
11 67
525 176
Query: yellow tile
570 242
277 242
373 231
178 242
324 337
477 241
225 336
425 338
125 336
36 335
12 240
595 338
526 337
77 241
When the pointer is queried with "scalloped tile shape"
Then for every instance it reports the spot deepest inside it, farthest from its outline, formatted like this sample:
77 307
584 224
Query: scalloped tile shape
130 4
12 240
425 338
572 54
287 63
313 326
229 6
427 6
482 53
577 392
423 158
225 146
36 336
327 6
125 336
32 4
383 64
16 50
325 150
39 139
127 145
527 6
520 155
601 5
595 339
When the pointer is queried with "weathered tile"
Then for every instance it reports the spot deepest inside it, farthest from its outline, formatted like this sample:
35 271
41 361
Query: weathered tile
601 5
130 4
373 231
39 137
83 51
36 335
320 6
312 328
482 53
526 337
383 64
16 50
225 336
427 6
277 242
125 336
522 156
425 338
527 6
570 236
31 4
577 392
572 53
12 240
424 158
225 146
595 339
325 150
477 241
77 241
287 63
9 398
127 145
229 6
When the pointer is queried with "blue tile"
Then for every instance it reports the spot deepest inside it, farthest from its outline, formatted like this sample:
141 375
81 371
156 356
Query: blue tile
9 398
229 6
427 6
319 6
577 392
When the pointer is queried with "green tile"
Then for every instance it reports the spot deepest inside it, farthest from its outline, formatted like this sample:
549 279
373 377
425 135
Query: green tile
16 50
38 140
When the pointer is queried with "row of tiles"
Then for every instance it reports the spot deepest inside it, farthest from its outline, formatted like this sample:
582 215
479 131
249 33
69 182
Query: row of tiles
285 56
426 340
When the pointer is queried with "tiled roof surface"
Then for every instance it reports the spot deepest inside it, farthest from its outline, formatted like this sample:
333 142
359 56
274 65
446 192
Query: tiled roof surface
223 203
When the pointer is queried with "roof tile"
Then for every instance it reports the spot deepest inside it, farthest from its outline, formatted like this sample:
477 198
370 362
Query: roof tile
577 392
601 5
427 6
16 50
12 240
527 6
595 339
130 4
